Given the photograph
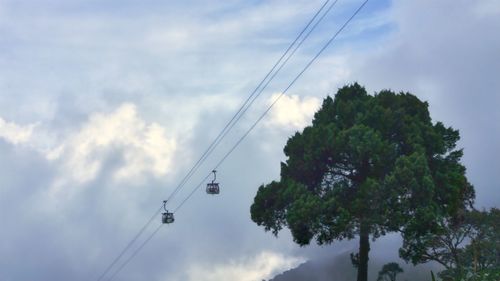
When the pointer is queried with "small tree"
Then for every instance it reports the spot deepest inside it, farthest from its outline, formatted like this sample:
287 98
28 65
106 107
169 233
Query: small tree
389 272
468 246
483 251
368 165
444 246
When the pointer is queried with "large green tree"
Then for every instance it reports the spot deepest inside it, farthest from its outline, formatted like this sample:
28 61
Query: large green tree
366 166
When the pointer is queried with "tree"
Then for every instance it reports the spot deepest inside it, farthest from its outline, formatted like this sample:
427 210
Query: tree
482 254
366 166
444 246
389 272
468 246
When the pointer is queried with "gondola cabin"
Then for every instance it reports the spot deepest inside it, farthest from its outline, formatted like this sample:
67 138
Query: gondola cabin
167 217
213 187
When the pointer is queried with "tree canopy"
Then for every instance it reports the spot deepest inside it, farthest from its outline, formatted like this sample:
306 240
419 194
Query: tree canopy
389 272
368 165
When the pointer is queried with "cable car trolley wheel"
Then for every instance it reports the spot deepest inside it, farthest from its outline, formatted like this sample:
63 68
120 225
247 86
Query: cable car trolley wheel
213 187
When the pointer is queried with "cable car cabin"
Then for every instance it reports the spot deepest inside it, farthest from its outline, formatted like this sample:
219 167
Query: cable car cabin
167 217
213 188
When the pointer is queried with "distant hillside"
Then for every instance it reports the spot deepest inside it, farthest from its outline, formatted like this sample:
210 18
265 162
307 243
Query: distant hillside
339 268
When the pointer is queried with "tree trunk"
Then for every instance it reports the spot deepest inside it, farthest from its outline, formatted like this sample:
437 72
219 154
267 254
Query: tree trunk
364 248
474 251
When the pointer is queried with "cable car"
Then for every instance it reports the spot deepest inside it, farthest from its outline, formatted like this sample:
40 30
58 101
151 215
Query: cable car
213 187
167 217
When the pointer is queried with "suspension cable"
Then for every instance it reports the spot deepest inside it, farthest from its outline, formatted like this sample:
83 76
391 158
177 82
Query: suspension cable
236 117
278 98
248 102
247 132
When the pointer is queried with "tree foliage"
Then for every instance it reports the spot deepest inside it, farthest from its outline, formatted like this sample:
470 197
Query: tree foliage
483 251
389 272
468 246
366 166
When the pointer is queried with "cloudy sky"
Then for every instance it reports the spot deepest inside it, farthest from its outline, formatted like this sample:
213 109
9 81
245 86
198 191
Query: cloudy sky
105 105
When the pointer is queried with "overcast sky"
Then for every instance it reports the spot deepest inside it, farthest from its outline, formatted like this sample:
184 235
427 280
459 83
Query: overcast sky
105 105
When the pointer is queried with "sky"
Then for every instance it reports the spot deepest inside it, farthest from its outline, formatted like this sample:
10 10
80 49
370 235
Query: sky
106 105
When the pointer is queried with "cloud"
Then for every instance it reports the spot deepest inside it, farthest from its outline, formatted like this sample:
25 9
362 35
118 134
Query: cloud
260 267
292 111
142 148
14 133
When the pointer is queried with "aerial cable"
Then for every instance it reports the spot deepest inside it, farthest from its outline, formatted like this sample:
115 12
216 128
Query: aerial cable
258 94
192 192
217 140
277 99
129 244
135 252
249 101
246 133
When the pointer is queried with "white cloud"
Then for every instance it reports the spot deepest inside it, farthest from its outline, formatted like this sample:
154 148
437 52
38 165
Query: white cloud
263 266
292 111
142 148
14 133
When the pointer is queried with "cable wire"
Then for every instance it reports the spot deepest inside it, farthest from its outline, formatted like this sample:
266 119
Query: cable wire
223 133
236 117
278 98
283 63
129 244
248 102
135 252
261 90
